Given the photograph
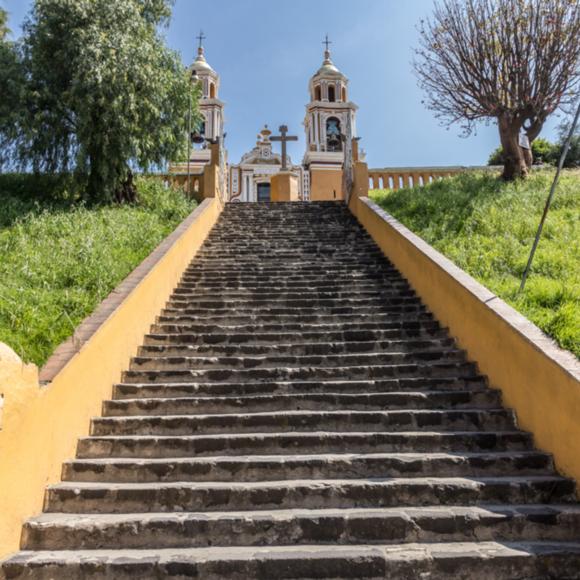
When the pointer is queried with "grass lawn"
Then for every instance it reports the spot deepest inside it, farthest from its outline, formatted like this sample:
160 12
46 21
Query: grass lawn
59 260
487 228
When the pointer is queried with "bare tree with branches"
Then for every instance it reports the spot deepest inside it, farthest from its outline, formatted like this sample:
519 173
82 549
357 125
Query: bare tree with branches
515 61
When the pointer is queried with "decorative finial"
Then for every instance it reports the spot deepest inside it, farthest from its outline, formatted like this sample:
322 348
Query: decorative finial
327 43
201 38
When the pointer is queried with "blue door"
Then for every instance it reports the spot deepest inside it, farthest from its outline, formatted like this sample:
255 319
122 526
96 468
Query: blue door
263 192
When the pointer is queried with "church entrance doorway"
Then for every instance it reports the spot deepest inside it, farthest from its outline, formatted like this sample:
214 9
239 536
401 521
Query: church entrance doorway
263 192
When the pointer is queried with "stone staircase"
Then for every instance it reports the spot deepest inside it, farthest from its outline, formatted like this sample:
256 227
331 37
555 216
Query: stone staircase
296 412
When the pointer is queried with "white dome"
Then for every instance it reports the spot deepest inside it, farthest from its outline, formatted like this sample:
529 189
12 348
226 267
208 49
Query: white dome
200 64
328 69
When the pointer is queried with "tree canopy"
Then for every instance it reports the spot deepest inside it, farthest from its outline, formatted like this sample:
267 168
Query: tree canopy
3 24
515 61
103 93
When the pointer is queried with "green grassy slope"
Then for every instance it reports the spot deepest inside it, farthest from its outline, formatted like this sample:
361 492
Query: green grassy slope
487 227
58 261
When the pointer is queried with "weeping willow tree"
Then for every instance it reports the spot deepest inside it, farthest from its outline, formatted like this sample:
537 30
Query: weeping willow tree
512 61
104 95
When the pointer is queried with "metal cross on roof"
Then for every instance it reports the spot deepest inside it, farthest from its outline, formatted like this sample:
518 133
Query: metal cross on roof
201 38
284 138
327 42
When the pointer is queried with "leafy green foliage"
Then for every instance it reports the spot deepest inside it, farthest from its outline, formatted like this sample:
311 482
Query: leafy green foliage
60 259
12 83
103 94
487 227
3 24
542 150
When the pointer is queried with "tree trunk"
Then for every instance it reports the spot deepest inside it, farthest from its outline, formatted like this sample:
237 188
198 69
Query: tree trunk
515 165
126 192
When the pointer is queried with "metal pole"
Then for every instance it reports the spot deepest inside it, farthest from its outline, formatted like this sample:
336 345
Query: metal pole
549 200
189 147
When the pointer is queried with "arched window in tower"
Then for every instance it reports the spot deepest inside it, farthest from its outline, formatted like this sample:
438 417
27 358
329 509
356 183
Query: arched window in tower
331 93
199 131
344 94
317 94
211 91
333 134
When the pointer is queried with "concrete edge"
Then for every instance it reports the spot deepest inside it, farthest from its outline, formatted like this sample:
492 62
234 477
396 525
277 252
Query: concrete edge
508 315
67 350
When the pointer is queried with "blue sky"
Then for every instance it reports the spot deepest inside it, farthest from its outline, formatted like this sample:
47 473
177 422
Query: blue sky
266 52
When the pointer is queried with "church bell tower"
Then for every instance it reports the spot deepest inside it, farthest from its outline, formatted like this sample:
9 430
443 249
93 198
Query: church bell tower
210 106
330 120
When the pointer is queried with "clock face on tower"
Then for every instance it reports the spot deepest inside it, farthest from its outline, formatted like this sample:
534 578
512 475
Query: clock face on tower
266 153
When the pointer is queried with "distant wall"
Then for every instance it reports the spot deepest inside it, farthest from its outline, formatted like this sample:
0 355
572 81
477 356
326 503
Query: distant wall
398 177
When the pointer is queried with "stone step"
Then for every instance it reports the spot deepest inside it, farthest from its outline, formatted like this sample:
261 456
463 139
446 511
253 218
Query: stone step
306 267
304 303
278 422
160 348
420 324
278 277
436 561
386 526
259 468
316 250
220 374
294 260
286 285
289 360
273 388
253 310
425 332
236 444
266 295
85 498
163 404
304 316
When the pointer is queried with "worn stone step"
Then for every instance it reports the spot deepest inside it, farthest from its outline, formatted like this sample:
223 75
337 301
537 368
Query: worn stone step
291 312
154 348
259 468
289 360
312 250
558 523
264 296
296 260
319 275
297 315
81 497
219 374
277 286
304 302
130 446
164 405
435 561
277 422
272 388
311 267
426 331
422 323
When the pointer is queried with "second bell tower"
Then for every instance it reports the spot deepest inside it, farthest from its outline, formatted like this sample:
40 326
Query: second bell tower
330 120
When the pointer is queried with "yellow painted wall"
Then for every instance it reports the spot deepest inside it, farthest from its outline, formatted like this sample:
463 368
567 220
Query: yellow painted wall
323 184
41 425
538 380
284 187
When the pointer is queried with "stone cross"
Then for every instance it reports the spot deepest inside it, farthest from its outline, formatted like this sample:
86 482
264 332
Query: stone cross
284 138
201 38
